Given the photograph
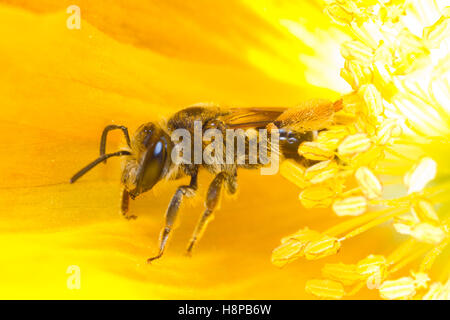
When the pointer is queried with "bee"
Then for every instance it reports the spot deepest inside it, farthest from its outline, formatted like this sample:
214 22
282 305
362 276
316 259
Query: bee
148 157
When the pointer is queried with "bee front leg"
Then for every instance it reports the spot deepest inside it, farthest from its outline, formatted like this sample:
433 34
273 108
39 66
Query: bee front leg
105 134
125 202
171 213
211 203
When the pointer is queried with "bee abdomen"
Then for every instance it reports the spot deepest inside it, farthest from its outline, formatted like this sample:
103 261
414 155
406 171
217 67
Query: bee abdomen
290 141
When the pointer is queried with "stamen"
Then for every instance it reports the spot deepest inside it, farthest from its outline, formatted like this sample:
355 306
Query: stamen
402 288
325 288
351 206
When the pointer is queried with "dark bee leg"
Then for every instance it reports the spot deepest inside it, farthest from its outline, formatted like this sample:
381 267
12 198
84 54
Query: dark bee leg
125 201
100 159
171 213
211 203
105 134
231 182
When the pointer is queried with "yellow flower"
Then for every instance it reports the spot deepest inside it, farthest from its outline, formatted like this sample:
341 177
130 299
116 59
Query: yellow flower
385 157
397 146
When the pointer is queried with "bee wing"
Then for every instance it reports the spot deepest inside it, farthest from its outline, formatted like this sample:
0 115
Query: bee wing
310 115
247 118
254 118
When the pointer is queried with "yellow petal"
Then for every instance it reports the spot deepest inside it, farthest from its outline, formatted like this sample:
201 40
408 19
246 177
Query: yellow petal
128 65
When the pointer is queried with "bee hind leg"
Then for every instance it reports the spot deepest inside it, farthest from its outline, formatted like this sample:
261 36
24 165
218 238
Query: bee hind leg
211 203
171 213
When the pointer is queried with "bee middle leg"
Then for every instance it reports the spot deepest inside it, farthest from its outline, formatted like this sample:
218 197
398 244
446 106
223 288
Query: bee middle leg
211 203
171 213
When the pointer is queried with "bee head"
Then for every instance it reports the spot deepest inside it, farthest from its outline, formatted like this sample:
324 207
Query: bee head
151 149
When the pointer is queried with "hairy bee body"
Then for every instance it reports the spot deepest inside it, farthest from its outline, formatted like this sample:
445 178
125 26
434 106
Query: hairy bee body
150 155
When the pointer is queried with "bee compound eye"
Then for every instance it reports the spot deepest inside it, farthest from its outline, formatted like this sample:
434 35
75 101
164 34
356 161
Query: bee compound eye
152 165
158 149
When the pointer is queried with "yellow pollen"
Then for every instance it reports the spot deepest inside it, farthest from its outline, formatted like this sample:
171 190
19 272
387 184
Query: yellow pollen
402 288
424 210
373 264
317 197
347 274
396 116
373 100
321 171
428 233
351 206
388 130
327 289
352 144
294 172
331 138
369 183
357 52
315 151
287 252
340 12
292 246
419 176
421 279
438 291
322 247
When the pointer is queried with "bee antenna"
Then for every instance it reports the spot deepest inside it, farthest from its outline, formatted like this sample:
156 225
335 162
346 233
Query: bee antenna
100 159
